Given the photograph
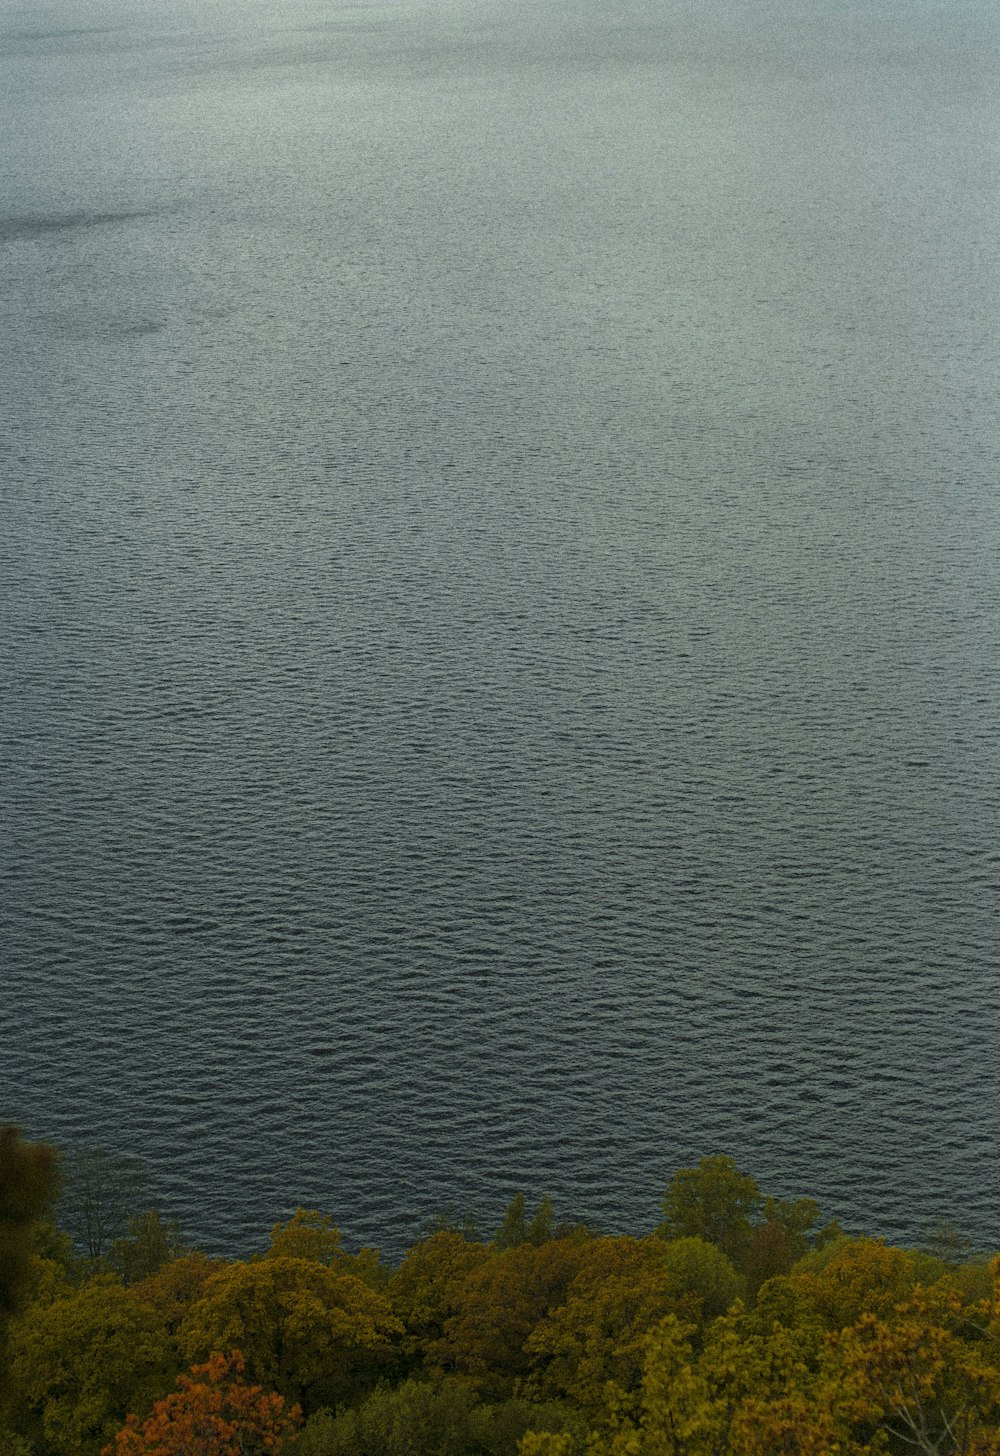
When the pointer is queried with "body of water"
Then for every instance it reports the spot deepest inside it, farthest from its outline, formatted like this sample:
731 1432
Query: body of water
500 610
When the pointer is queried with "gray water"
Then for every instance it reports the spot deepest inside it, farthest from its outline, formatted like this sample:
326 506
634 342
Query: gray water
499 600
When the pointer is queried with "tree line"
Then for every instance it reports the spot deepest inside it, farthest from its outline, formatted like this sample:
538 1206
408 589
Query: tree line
741 1325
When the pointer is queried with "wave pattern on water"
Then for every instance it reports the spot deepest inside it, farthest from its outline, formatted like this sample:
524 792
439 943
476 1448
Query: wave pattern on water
501 618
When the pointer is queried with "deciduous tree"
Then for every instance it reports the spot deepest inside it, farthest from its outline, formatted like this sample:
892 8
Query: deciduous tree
597 1333
928 1372
101 1191
81 1362
213 1412
498 1305
174 1288
148 1243
713 1201
702 1272
307 1331
425 1292
28 1181
309 1234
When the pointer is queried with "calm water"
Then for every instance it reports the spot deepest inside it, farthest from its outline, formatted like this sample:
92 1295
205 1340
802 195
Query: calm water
500 602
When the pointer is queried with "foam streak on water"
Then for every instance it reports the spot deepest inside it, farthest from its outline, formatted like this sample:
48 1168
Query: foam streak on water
500 605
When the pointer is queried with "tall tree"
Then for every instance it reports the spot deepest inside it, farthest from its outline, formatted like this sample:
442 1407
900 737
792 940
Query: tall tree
149 1243
28 1181
715 1202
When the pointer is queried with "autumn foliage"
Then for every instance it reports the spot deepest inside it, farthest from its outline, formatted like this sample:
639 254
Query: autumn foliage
212 1413
737 1327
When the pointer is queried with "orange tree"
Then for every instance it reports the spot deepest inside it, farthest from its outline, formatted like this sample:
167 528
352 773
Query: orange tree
212 1413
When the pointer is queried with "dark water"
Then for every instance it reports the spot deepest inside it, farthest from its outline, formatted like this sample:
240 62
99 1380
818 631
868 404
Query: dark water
500 603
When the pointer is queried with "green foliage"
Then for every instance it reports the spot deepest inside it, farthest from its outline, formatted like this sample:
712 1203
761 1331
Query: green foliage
734 1330
542 1226
312 1235
440 1419
513 1229
28 1181
699 1268
412 1420
497 1306
147 1245
452 1220
51 1243
85 1359
517 1228
12 1445
794 1216
596 1334
947 1242
309 1332
308 1234
425 1292
855 1277
713 1201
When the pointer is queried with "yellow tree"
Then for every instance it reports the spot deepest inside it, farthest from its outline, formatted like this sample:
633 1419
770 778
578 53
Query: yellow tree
761 1386
928 1372
855 1277
309 1234
81 1361
769 1375
175 1287
307 1331
678 1414
499 1304
597 1334
425 1292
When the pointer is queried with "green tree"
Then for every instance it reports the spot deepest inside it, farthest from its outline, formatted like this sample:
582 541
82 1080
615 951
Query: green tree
596 1334
517 1228
497 1305
147 1245
439 1418
715 1202
314 1334
28 1181
702 1272
426 1291
309 1234
82 1361
513 1228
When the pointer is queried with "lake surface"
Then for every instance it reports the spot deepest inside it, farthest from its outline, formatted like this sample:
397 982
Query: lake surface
500 603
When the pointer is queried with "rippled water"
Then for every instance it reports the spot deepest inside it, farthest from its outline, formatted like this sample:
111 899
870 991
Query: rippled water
500 603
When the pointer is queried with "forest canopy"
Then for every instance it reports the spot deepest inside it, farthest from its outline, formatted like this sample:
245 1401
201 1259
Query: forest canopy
739 1325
